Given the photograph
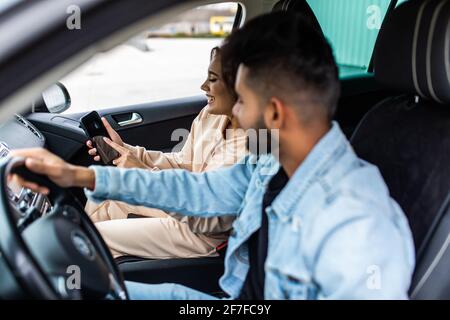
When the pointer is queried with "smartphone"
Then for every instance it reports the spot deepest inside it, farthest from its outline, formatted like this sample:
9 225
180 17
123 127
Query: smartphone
93 126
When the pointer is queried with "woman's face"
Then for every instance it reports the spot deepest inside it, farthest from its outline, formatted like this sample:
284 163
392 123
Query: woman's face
220 101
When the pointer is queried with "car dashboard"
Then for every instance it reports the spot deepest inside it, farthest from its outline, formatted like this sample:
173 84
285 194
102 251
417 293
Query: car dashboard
19 133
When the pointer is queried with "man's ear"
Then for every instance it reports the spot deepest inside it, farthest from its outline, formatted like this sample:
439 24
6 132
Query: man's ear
274 115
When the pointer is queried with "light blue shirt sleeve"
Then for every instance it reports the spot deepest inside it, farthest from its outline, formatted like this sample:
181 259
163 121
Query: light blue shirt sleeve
207 194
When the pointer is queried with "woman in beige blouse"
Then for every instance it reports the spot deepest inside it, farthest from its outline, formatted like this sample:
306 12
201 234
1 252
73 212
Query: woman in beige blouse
213 142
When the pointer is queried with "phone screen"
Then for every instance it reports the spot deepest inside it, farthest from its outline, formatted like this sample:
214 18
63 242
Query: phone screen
93 125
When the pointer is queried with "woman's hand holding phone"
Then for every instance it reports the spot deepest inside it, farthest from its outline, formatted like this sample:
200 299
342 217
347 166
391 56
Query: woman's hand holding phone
115 137
126 158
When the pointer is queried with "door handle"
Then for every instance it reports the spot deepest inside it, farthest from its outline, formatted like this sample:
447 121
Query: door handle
135 119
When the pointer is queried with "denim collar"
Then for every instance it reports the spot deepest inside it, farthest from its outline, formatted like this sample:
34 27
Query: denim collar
308 170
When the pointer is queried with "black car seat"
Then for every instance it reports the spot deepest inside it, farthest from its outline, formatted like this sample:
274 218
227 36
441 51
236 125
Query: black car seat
199 273
408 136
300 6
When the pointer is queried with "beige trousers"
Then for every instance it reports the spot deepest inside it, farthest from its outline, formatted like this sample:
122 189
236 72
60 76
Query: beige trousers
157 237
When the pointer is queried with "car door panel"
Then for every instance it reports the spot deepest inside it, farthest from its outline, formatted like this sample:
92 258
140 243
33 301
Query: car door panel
158 121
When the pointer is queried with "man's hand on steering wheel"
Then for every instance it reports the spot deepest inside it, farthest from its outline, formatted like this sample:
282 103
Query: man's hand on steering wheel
70 235
64 174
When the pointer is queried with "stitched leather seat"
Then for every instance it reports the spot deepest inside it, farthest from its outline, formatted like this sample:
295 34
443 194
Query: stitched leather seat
408 136
299 6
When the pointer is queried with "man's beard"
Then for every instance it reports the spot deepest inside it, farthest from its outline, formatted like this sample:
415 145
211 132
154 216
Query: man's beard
260 140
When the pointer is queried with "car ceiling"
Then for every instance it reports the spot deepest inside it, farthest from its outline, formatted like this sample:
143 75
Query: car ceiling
44 50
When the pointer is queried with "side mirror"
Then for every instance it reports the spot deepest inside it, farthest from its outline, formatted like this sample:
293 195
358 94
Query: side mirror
56 98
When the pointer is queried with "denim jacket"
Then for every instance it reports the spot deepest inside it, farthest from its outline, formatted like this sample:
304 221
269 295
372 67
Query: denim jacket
334 231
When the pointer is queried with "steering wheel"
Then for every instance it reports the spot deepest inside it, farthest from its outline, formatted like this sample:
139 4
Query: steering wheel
60 255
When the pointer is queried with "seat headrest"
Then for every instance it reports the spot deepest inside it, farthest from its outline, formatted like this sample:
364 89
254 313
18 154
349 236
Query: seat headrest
412 52
299 6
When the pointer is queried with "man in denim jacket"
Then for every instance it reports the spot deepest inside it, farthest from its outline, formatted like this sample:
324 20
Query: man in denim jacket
313 220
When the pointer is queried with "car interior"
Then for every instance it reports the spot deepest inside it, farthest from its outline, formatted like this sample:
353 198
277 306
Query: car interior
396 115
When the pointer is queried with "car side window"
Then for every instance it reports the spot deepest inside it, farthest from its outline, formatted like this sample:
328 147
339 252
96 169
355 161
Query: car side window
351 27
164 63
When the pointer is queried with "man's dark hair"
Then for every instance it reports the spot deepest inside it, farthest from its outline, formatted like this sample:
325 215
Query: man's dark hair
286 57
